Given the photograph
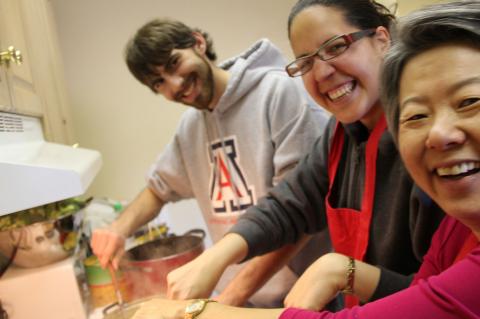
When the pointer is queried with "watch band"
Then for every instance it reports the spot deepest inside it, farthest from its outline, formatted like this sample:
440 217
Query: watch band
348 289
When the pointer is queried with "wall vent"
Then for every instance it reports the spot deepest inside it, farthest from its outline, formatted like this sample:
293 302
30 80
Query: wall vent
11 124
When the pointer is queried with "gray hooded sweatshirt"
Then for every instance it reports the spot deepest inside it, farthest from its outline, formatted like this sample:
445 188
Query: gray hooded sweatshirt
230 157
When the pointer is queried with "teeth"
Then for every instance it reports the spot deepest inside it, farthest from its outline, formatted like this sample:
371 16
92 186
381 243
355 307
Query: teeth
457 169
341 91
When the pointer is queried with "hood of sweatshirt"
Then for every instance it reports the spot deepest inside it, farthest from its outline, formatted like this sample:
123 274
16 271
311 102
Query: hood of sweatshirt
247 69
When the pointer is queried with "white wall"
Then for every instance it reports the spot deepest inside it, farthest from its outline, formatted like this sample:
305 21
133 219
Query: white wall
115 114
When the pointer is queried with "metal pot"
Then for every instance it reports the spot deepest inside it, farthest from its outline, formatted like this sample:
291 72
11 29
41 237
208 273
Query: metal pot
146 266
41 243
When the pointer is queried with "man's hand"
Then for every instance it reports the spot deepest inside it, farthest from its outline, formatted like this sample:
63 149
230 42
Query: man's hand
108 245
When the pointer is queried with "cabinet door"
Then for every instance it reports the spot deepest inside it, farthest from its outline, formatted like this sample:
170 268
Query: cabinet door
5 101
19 78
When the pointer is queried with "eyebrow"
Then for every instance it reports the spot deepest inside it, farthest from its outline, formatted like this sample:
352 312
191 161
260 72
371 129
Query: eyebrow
458 85
318 47
450 90
167 64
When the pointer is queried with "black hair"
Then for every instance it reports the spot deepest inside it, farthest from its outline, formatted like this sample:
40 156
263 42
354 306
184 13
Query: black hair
364 14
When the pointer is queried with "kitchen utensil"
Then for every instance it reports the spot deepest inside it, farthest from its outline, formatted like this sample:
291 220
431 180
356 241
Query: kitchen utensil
118 293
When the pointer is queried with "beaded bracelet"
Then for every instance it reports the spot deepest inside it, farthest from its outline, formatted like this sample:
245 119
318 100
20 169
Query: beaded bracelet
350 276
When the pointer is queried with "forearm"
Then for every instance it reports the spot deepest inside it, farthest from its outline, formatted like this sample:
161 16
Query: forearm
229 250
138 213
292 208
390 282
256 273
449 294
219 311
175 309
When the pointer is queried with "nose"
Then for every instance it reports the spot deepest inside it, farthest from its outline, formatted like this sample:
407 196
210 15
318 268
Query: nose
172 85
444 134
321 69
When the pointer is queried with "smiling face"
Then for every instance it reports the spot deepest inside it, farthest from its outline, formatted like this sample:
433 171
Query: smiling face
439 127
347 85
186 77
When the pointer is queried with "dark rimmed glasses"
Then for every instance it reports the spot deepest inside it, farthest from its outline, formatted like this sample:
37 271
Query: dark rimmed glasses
329 50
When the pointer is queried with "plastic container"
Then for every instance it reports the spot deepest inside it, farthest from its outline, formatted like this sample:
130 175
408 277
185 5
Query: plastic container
100 284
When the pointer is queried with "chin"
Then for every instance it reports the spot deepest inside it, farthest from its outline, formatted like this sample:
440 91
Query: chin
463 209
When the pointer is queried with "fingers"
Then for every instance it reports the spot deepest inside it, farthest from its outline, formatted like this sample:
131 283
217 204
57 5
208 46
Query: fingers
107 245
117 257
187 282
174 290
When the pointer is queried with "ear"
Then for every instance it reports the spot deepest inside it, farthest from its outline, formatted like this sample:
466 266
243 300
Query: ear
382 39
200 42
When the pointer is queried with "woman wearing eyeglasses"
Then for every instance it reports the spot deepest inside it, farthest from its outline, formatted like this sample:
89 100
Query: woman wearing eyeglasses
432 101
353 182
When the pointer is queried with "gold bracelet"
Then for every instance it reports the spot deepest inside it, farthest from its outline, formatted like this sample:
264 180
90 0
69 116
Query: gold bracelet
348 289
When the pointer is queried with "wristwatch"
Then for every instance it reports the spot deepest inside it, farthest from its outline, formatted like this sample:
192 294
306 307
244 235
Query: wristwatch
196 308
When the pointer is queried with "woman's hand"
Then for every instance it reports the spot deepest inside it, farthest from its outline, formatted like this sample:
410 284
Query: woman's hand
326 277
161 309
198 278
320 283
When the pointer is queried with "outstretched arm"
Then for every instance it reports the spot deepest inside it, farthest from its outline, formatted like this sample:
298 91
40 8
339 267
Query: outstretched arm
174 309
109 243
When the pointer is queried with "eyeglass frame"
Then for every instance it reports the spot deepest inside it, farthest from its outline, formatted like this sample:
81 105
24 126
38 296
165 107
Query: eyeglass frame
349 39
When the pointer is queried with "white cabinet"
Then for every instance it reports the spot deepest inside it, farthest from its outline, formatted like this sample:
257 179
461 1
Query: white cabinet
35 87
18 77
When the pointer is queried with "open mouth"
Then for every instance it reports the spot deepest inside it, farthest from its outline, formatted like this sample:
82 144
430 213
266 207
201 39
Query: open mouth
458 170
341 91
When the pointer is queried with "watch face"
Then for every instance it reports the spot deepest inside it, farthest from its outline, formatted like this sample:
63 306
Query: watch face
196 306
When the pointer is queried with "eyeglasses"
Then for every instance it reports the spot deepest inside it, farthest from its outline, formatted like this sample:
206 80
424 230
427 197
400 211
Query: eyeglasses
327 51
